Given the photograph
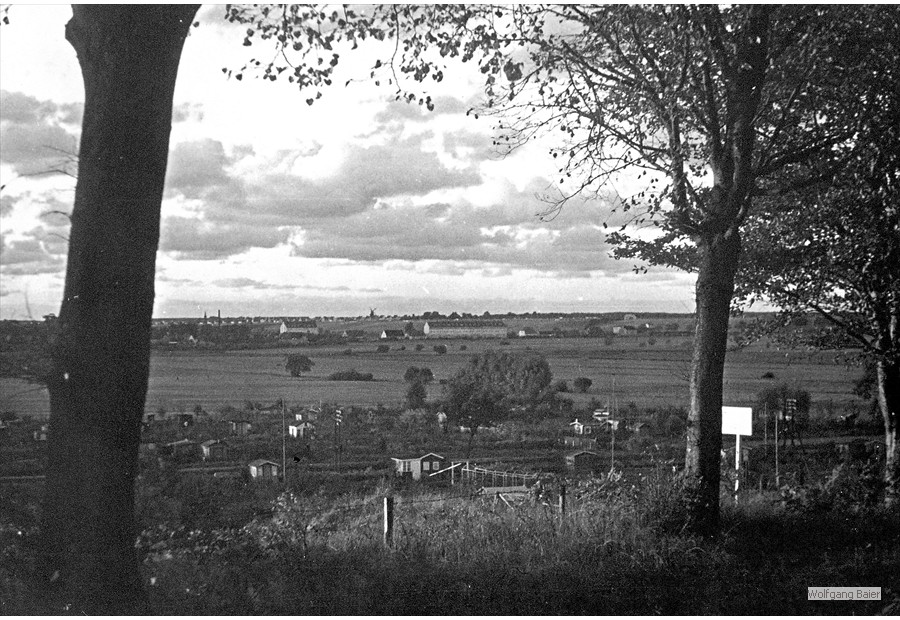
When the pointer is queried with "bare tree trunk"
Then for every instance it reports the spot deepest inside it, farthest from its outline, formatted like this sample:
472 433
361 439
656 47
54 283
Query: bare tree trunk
715 288
129 59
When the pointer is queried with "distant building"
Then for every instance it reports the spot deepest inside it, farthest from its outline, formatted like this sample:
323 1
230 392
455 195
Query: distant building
583 460
629 317
182 447
240 427
528 332
586 443
419 467
262 469
43 433
302 430
636 427
214 450
393 334
465 328
584 428
624 330
601 414
305 327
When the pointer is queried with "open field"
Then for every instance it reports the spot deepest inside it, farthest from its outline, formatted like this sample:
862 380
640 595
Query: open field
646 375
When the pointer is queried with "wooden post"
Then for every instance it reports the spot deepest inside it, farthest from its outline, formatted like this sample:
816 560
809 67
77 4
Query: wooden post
777 475
388 521
562 500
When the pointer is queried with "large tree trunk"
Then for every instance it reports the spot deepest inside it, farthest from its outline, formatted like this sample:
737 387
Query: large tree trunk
888 393
129 59
715 288
889 403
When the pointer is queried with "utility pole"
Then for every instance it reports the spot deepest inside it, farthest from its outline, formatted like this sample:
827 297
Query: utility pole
777 475
612 429
283 449
338 445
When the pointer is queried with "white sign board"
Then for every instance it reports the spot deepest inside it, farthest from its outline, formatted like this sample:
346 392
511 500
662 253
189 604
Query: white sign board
737 420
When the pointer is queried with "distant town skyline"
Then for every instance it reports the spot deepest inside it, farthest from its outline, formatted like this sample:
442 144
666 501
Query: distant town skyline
274 207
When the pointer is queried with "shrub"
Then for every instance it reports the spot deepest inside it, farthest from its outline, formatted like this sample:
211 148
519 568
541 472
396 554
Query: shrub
350 375
463 347
419 347
561 386
768 375
582 384
440 349
414 373
416 394
382 348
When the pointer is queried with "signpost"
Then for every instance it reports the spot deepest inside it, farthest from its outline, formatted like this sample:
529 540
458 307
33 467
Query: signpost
737 421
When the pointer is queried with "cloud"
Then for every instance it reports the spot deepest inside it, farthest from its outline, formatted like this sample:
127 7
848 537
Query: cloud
27 257
258 209
499 237
250 283
197 167
198 240
6 204
187 112
24 109
398 111
32 138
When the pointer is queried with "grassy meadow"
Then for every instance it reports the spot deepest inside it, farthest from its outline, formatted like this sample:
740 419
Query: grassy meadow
629 369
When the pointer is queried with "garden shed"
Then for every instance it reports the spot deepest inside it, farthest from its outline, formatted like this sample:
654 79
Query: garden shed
582 460
419 467
262 469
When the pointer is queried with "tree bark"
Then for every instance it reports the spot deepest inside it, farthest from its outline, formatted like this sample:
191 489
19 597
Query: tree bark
889 403
715 288
129 59
887 387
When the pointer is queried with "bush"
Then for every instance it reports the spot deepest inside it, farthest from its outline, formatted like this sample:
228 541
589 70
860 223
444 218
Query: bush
440 349
350 375
768 375
382 348
582 384
419 347
414 373
463 347
561 386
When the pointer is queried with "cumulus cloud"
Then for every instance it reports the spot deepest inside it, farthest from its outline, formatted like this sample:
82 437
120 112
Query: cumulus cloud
199 240
256 210
20 257
187 112
33 139
6 204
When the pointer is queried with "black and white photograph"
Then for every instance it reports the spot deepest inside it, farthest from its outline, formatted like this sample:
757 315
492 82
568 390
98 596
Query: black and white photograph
450 310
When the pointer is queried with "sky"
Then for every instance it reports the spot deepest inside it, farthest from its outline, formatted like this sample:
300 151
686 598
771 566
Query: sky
273 207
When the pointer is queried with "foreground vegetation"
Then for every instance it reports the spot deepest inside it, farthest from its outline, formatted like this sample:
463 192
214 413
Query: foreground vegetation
620 548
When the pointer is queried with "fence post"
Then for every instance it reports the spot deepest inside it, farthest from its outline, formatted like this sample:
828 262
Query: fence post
388 521
562 500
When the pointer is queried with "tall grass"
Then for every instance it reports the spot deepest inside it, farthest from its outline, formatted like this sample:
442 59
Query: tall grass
618 549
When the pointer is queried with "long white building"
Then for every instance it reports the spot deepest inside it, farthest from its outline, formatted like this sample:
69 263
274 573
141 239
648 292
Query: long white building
465 328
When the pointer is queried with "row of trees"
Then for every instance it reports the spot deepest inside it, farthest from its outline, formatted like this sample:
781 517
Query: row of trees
748 120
